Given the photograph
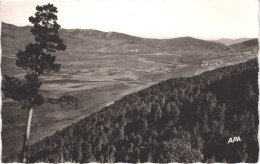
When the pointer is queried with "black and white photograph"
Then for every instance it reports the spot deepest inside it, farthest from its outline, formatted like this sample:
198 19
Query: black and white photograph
129 81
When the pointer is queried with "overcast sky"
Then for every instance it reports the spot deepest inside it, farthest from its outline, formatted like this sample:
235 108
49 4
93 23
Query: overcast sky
205 19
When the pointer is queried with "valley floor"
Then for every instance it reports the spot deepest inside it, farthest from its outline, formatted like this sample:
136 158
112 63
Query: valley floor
97 80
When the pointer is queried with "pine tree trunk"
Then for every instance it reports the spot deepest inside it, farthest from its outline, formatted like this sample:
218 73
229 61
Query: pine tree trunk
26 136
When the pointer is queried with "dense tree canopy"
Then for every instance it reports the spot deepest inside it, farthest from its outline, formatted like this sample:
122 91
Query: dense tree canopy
186 119
36 58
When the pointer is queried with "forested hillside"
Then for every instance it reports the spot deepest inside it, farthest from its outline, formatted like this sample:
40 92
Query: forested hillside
186 119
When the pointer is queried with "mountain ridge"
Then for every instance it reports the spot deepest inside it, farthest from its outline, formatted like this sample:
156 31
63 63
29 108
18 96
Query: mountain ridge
229 42
102 39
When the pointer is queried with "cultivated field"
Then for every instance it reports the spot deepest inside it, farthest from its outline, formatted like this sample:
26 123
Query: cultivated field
98 79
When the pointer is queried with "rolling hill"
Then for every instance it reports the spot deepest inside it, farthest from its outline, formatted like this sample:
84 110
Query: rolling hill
229 42
107 41
249 44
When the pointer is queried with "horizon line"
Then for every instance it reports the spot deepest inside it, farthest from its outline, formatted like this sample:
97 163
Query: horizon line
195 37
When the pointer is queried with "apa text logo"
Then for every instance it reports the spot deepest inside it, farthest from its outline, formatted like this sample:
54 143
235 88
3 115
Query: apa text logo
234 139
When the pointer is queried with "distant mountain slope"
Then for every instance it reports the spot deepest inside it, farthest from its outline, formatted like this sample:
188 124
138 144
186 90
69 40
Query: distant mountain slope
192 119
249 46
123 40
14 36
248 43
189 43
78 39
229 42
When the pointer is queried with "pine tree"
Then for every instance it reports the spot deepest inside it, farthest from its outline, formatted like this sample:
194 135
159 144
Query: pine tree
36 59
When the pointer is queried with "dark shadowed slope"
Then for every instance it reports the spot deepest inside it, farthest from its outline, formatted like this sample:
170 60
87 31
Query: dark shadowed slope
179 120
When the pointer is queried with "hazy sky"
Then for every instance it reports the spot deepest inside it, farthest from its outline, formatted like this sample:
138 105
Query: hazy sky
207 19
